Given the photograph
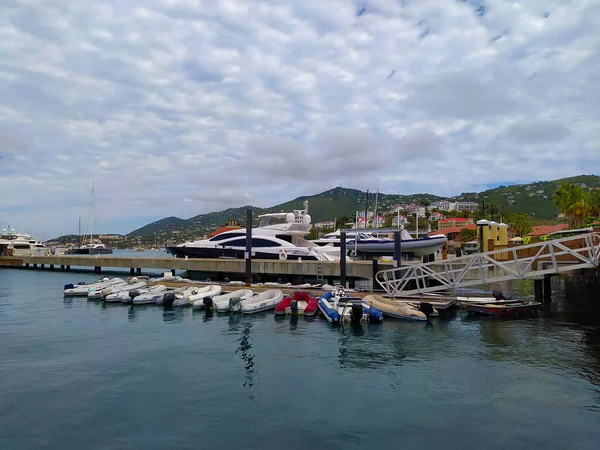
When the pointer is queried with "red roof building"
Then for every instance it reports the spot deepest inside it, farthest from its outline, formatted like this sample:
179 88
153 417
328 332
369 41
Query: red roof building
543 230
454 222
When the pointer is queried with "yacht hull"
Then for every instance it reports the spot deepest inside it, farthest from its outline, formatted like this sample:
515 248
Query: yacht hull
91 251
207 252
419 247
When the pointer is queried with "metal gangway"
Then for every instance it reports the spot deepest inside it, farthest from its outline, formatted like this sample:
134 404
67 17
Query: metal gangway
524 261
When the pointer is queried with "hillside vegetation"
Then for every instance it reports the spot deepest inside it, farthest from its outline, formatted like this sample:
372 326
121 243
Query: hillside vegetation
534 199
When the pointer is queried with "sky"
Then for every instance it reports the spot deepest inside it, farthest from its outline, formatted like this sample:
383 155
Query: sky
181 107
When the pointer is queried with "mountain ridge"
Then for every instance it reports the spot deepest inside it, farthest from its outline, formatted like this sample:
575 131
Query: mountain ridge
533 198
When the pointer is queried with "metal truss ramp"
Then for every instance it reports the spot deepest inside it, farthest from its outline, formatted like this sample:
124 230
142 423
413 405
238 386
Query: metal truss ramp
524 261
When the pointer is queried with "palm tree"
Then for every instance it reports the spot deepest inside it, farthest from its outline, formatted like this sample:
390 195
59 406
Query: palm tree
575 203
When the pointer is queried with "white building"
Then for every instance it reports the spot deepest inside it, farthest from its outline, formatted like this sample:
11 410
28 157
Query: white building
325 225
467 206
445 205
416 209
398 221
378 222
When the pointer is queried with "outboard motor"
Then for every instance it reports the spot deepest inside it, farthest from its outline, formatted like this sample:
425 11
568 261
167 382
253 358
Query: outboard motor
134 293
294 307
426 308
235 304
69 286
168 299
356 312
498 295
208 303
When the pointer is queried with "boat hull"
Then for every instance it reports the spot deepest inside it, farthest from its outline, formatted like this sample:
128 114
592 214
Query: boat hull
306 304
505 310
209 252
91 251
386 247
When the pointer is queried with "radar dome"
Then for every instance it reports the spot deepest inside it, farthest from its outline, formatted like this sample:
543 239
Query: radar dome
306 219
289 218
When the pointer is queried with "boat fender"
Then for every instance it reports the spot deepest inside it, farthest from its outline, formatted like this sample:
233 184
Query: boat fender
283 255
356 313
294 306
498 295
208 302
426 308
168 299
69 286
134 293
375 315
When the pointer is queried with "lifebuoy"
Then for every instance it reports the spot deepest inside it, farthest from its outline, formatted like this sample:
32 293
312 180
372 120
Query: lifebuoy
283 255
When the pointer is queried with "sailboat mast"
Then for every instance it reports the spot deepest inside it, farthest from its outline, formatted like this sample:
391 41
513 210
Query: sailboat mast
375 220
93 217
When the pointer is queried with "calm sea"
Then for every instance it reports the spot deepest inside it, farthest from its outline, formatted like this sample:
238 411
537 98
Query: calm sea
80 375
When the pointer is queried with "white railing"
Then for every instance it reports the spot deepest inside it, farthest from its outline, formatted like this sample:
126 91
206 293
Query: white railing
523 261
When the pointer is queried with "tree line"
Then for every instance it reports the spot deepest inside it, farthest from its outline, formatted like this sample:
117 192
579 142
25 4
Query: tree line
581 207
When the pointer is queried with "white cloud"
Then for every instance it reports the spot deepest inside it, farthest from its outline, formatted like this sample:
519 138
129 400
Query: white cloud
225 103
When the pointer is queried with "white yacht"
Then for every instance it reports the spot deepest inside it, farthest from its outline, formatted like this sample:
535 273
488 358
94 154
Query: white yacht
20 244
363 242
278 236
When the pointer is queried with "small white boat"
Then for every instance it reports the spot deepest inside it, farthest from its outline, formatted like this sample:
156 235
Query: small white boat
126 296
204 293
153 298
337 307
82 289
398 310
259 302
223 303
100 293
182 296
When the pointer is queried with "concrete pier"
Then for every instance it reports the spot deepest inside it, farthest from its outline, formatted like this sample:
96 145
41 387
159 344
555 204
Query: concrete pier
327 270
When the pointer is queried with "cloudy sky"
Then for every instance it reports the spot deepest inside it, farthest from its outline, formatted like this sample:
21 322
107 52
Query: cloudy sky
177 107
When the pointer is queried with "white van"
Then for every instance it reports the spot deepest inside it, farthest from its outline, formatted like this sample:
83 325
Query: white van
470 247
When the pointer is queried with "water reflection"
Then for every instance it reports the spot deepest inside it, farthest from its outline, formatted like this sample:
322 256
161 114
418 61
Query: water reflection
131 316
244 349
172 315
359 347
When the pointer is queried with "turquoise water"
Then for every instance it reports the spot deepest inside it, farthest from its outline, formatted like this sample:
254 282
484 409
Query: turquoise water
76 374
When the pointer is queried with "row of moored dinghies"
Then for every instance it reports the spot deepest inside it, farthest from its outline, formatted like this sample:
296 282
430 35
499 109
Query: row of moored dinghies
335 305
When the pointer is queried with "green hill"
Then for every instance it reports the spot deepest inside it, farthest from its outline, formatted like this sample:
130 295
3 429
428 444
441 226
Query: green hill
534 199
328 205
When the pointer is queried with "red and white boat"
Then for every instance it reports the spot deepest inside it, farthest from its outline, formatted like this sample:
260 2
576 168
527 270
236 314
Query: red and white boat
514 309
300 302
